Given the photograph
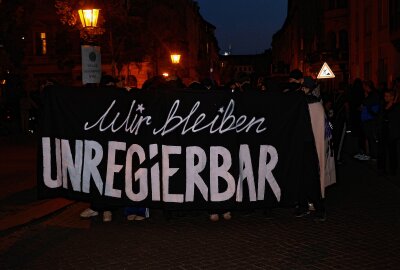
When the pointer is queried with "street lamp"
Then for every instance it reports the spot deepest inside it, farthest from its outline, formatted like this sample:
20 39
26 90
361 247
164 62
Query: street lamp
175 59
89 17
91 57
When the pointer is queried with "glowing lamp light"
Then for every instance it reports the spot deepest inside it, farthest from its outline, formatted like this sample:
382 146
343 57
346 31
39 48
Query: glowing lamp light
175 58
165 74
89 17
3 81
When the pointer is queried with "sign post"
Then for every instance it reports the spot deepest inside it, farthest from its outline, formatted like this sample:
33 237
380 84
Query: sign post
325 72
91 64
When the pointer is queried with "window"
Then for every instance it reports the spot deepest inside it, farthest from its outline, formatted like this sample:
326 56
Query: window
367 21
343 40
301 44
382 70
332 4
394 15
331 41
41 43
342 3
381 14
367 71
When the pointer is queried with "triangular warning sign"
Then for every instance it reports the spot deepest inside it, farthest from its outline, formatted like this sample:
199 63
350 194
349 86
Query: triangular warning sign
325 72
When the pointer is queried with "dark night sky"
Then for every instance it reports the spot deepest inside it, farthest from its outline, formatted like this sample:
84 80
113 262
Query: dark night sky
248 25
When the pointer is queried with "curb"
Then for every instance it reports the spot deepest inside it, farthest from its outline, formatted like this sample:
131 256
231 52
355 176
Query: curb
32 212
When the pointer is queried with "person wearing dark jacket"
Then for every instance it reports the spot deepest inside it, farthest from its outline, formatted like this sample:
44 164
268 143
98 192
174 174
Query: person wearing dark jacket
389 134
369 117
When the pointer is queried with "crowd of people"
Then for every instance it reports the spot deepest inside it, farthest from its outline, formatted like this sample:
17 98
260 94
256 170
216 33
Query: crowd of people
369 114
374 119
297 82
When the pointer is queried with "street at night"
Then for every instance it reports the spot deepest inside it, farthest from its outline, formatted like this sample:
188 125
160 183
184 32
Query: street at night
362 230
229 134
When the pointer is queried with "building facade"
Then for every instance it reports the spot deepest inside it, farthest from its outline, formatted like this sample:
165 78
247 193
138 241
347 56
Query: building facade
374 25
233 67
357 38
139 38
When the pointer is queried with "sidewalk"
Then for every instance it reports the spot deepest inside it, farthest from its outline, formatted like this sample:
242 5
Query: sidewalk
362 231
18 201
19 204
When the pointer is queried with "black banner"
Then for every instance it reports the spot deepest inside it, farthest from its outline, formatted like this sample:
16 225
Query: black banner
182 149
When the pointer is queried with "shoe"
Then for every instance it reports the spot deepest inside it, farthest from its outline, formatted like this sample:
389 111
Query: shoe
88 213
311 207
214 217
227 215
139 218
131 217
320 216
107 216
301 212
358 156
364 158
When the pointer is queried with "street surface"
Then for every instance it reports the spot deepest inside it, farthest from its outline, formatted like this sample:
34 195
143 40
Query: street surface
362 230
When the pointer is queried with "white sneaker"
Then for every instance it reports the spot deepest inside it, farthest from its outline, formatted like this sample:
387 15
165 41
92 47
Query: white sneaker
214 217
131 217
358 156
88 212
107 216
364 158
227 215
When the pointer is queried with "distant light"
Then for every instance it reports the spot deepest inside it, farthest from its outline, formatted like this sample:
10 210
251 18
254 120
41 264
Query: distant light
175 58
226 53
22 37
89 17
165 74
211 70
3 81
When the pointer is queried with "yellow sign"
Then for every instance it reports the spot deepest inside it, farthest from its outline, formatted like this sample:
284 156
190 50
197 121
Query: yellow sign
325 72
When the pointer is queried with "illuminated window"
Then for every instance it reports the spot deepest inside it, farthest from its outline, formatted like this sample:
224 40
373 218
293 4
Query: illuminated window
44 43
41 43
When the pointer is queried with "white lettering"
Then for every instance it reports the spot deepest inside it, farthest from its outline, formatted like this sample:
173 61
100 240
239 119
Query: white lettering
246 172
193 177
217 172
265 171
90 164
140 174
68 165
167 172
48 180
113 168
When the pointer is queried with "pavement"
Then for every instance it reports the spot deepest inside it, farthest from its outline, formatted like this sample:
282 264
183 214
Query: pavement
19 203
362 230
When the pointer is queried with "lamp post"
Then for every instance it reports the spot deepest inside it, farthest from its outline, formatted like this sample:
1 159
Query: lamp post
91 57
175 59
89 17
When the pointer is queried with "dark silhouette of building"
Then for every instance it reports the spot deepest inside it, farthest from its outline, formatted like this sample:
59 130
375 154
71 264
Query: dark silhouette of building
357 38
374 26
139 37
252 66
